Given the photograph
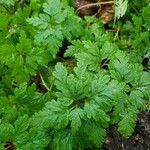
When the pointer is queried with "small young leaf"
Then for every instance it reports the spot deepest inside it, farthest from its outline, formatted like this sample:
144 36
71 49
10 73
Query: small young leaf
120 8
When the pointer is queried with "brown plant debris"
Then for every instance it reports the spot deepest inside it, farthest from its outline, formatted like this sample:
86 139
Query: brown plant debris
102 9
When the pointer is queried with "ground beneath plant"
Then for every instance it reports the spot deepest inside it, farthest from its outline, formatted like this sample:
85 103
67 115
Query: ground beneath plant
140 140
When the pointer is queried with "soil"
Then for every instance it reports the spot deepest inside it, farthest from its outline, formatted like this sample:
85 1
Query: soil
140 140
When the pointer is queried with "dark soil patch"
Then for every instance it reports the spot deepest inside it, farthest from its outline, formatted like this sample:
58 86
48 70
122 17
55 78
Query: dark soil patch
140 140
10 146
63 49
145 64
38 82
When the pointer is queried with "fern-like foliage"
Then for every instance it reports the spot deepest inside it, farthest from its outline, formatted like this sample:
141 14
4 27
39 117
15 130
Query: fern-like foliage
101 80
56 23
23 56
121 68
7 2
21 135
79 111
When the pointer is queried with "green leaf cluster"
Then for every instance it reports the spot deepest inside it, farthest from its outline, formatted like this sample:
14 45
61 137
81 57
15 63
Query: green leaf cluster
64 80
56 23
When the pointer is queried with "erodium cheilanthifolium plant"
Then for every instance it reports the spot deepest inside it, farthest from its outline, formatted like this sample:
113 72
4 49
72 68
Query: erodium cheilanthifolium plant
64 80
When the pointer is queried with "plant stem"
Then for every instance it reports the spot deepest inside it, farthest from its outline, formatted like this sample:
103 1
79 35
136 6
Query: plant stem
43 82
95 4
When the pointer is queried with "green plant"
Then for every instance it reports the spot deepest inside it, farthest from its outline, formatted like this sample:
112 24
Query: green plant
65 80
